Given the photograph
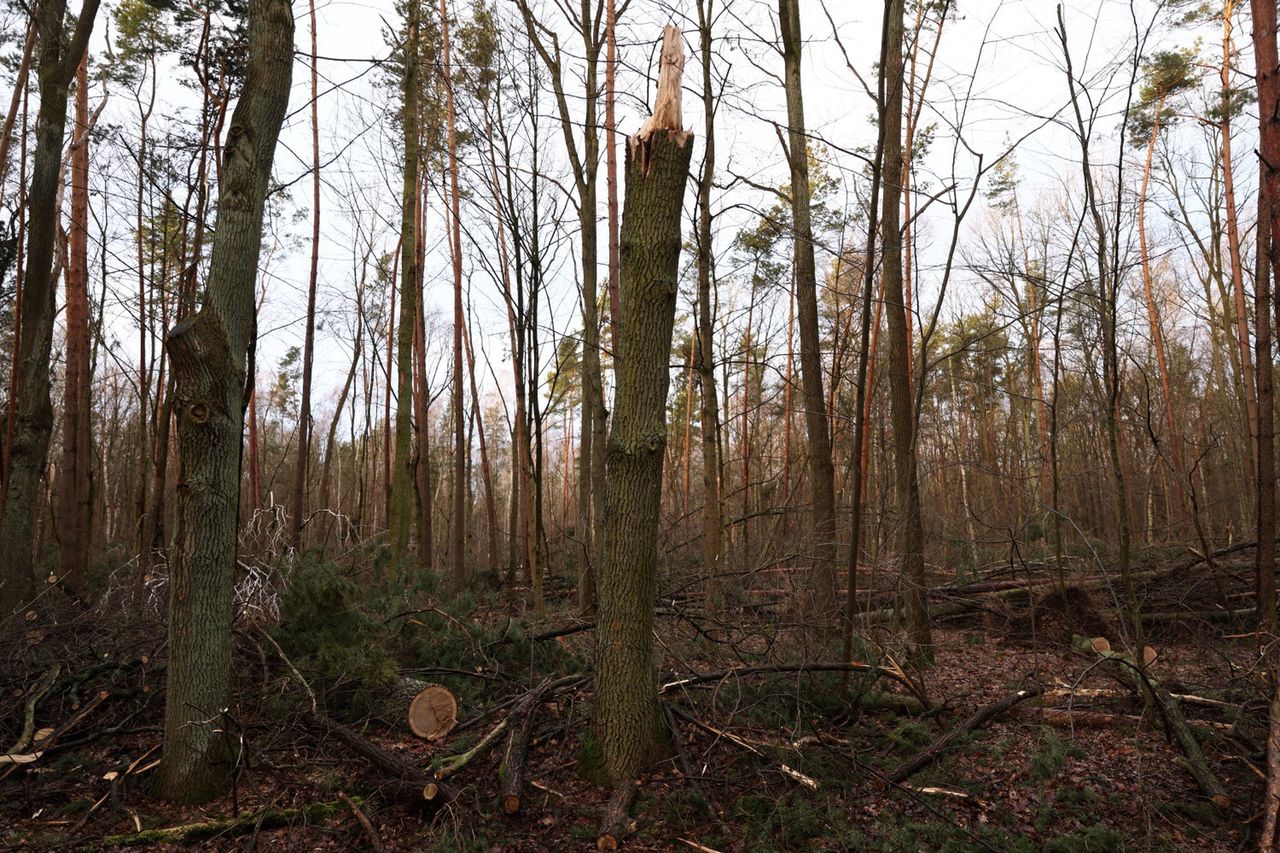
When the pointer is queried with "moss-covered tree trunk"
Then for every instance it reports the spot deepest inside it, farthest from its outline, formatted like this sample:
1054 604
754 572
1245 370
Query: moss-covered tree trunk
657 166
55 67
209 352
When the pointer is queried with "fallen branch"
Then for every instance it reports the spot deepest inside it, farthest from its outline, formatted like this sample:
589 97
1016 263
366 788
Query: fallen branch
742 671
979 718
265 819
375 842
29 711
1143 682
40 744
446 767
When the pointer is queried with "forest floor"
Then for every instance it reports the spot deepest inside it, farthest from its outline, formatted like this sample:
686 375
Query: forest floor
780 757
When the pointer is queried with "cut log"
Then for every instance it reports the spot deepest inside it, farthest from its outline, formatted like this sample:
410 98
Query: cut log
1171 710
511 772
936 749
433 712
406 783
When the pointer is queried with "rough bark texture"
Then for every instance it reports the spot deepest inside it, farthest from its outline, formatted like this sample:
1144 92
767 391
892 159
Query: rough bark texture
77 450
626 699
400 503
29 449
209 353
821 472
1264 41
905 469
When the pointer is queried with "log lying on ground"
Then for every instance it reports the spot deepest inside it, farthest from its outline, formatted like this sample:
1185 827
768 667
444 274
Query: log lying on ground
935 750
407 783
429 710
1171 710
742 671
511 772
248 822
1081 718
433 712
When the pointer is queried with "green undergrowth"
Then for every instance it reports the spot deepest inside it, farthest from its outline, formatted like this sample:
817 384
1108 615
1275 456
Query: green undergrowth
353 640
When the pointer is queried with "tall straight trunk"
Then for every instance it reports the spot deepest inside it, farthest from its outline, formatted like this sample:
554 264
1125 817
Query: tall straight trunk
15 359
712 535
209 352
1153 321
657 167
422 418
73 489
386 389
298 509
1268 261
29 450
611 166
858 464
1233 239
822 589
330 443
1264 41
144 321
457 551
400 501
486 472
902 412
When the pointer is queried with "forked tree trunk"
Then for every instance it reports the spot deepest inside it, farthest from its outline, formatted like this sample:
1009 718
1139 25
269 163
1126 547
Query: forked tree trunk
822 590
657 167
34 421
209 353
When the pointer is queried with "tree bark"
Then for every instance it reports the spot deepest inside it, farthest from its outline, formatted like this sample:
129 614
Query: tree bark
712 533
209 353
457 528
400 499
34 421
822 592
74 499
906 471
656 169
305 424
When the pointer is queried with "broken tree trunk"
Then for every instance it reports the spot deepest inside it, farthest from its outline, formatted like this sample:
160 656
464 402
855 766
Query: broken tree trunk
657 169
1143 682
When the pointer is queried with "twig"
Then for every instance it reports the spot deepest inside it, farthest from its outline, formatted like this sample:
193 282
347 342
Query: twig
374 841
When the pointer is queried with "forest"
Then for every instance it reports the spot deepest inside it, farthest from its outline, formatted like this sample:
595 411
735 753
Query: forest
708 425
